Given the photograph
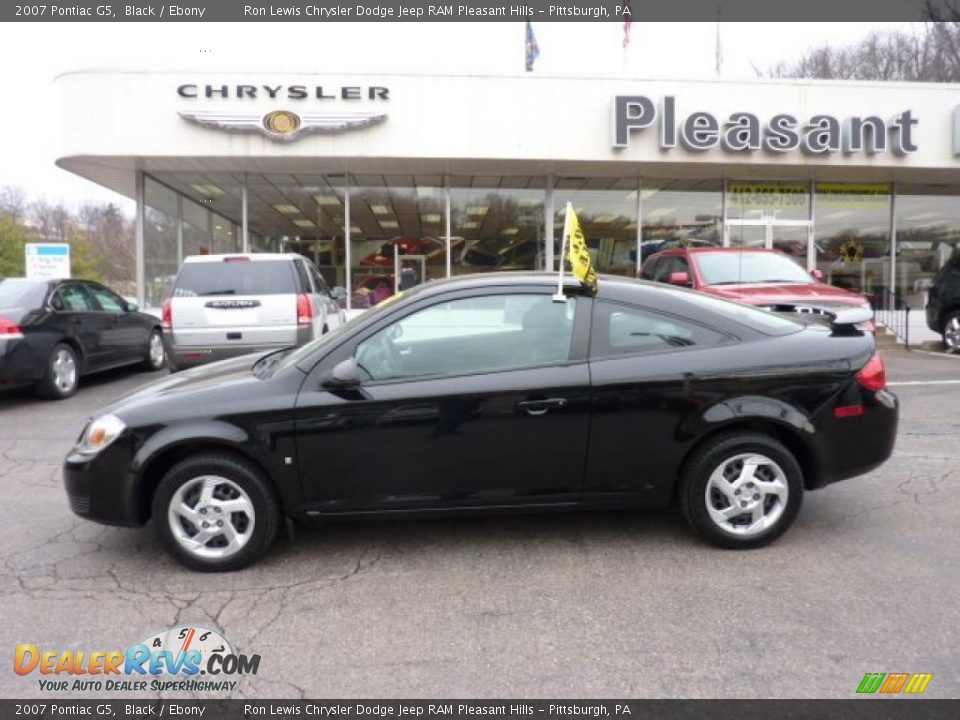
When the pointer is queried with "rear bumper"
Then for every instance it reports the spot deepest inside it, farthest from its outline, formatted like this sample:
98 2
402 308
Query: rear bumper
19 363
182 357
853 446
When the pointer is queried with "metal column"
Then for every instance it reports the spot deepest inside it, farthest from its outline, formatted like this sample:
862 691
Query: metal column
245 231
139 223
346 238
447 210
893 238
179 230
549 260
639 224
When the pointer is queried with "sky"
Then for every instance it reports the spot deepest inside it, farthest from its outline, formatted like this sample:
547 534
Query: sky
34 53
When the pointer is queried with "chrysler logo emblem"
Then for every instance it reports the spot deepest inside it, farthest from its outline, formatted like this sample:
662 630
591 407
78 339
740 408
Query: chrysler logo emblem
283 125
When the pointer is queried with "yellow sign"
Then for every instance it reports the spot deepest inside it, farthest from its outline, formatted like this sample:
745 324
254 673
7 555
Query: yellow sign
578 254
768 195
833 194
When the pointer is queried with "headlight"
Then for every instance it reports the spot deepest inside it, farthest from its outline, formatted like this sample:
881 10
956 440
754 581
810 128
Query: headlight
100 433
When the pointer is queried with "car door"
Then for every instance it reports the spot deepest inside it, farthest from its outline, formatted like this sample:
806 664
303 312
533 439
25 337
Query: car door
647 368
125 335
328 306
467 400
82 322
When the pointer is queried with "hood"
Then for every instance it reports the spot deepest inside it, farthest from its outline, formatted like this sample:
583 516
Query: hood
787 294
235 371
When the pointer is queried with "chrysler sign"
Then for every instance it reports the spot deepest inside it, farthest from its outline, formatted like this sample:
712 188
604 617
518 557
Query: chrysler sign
745 131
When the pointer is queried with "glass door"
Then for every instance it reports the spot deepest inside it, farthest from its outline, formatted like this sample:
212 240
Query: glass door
790 237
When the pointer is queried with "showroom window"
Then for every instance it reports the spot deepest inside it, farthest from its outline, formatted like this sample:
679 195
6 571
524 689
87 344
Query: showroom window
160 241
497 223
625 330
469 336
852 236
680 213
928 235
607 208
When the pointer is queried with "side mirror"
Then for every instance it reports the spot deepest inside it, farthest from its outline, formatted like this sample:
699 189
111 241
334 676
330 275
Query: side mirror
817 274
679 278
338 293
132 307
344 376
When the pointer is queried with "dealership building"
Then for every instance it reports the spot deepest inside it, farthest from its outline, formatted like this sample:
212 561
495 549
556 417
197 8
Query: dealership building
385 177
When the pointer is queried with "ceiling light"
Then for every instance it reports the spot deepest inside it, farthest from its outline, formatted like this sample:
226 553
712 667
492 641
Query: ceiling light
327 199
603 219
379 209
355 229
304 223
207 189
528 202
470 225
391 224
288 209
511 231
430 218
477 210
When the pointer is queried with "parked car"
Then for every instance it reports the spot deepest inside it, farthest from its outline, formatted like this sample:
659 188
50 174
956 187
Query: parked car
228 305
756 276
494 254
943 303
52 332
480 393
433 249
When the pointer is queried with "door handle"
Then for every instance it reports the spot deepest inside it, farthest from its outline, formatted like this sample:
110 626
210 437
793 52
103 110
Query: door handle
540 407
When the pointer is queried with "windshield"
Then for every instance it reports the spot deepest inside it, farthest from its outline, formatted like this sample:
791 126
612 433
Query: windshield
248 277
22 293
735 268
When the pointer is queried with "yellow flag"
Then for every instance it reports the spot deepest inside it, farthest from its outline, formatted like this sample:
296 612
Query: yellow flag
578 254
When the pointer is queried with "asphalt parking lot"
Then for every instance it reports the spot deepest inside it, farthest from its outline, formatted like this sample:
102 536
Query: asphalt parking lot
591 605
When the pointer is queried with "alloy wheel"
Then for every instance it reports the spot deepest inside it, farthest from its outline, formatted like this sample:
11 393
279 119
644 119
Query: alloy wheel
746 494
156 350
951 333
64 370
211 517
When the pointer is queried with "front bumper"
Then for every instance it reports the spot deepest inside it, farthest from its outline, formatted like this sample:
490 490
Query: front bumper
101 487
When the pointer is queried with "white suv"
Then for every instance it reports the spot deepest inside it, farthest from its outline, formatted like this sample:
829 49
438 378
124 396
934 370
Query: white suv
227 305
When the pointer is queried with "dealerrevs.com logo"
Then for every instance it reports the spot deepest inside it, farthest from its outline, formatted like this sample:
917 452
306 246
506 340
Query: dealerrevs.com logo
185 658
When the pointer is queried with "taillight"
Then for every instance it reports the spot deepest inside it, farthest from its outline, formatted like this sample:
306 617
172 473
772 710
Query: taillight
9 329
166 314
304 309
873 376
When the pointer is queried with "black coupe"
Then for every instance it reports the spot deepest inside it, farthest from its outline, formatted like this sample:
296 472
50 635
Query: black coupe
487 393
54 331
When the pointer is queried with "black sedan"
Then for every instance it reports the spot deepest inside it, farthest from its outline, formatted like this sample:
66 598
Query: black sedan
54 331
485 393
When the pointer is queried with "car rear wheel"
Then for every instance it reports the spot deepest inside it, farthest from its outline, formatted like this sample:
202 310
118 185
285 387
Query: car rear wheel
215 512
951 331
156 355
63 373
741 491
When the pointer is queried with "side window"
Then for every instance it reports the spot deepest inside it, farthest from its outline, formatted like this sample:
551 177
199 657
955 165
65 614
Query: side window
471 335
75 298
627 330
108 301
318 281
649 269
303 276
664 268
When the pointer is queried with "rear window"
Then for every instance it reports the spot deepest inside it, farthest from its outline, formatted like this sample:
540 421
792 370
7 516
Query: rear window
243 277
21 293
762 321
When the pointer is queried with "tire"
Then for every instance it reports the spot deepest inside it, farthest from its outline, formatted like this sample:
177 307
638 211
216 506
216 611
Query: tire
713 483
201 485
62 376
950 330
156 356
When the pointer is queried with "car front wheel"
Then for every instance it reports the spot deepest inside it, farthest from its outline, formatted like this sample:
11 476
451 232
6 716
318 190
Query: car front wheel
215 512
741 491
951 331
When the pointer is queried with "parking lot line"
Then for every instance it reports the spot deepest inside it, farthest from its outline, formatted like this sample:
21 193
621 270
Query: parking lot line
924 382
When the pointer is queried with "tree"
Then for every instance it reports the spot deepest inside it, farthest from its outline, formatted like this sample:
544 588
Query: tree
13 238
930 53
13 203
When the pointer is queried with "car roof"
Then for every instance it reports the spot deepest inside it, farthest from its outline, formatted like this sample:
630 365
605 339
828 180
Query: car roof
255 257
716 249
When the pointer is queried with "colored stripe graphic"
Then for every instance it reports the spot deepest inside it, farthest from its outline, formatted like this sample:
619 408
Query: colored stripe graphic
918 682
870 683
894 683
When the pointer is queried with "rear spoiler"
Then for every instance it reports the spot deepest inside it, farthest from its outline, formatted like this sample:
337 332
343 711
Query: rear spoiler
845 321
